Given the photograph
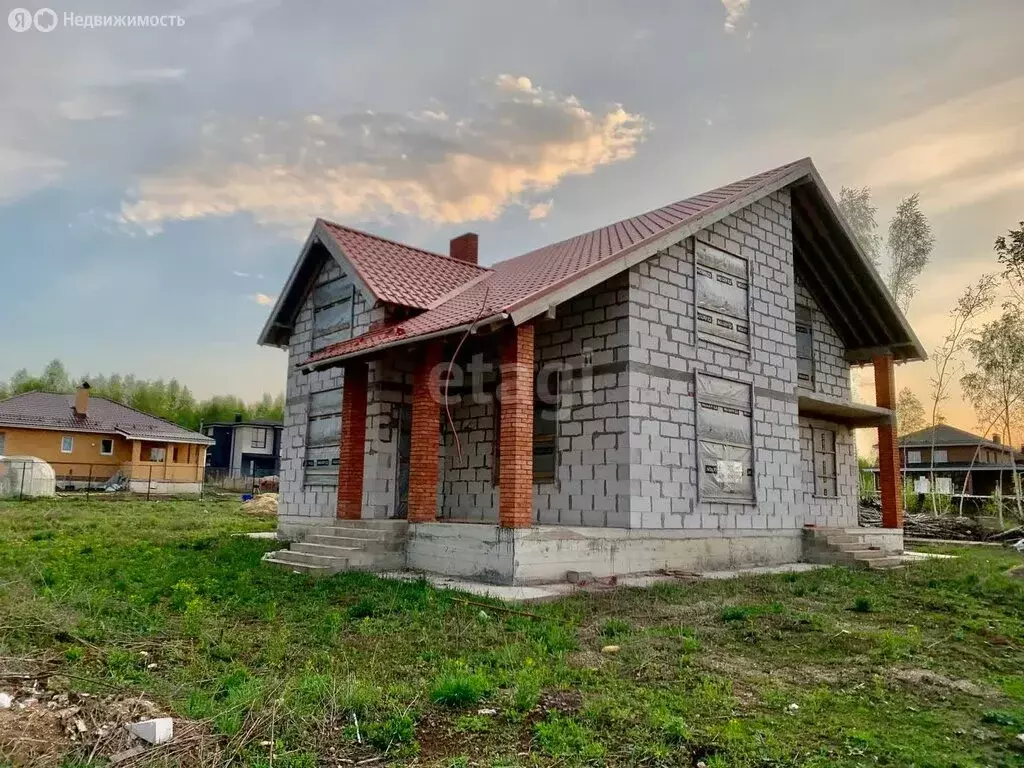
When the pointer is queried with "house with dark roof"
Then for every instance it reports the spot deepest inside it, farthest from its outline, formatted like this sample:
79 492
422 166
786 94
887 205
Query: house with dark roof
965 463
668 391
244 448
90 440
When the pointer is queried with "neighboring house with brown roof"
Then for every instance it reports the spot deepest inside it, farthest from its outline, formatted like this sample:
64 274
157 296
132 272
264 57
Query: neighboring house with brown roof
88 440
674 390
964 462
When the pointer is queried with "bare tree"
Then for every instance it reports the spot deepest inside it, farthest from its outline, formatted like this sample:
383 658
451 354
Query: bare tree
948 356
856 206
910 246
909 412
996 387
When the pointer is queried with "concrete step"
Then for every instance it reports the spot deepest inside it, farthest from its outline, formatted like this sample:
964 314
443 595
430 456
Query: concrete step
324 561
890 563
858 547
353 558
303 563
325 550
841 539
358 532
866 554
367 544
381 525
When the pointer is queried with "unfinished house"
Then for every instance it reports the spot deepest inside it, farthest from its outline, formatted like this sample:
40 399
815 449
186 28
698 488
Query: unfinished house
669 391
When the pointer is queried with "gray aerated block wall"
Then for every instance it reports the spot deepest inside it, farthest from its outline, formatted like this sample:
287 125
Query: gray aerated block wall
629 354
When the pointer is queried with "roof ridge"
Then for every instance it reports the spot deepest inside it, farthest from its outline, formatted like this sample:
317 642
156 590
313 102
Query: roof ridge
117 422
618 252
400 244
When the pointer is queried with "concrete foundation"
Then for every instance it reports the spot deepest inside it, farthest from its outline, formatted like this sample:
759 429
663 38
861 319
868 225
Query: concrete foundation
161 488
543 554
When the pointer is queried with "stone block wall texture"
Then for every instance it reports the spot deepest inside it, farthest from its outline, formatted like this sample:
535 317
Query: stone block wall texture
831 371
300 504
840 511
665 356
627 427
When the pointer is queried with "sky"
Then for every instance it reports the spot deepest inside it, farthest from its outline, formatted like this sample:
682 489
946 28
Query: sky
156 183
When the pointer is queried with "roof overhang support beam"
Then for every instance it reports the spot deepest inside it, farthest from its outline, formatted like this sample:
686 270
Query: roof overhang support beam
856 299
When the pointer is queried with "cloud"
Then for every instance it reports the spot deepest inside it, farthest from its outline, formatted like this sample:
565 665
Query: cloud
236 273
264 300
519 140
957 152
22 173
541 210
734 11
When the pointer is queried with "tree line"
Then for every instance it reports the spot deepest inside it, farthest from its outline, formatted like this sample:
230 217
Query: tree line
168 400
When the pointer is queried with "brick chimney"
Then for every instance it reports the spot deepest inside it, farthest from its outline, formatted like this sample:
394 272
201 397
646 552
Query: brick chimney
997 439
82 400
465 247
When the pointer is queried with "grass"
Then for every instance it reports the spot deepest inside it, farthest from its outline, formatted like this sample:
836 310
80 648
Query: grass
923 667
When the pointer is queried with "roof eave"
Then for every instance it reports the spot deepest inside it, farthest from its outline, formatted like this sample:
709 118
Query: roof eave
334 360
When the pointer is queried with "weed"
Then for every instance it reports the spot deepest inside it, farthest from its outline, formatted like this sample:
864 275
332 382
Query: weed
613 629
862 604
395 731
459 689
563 737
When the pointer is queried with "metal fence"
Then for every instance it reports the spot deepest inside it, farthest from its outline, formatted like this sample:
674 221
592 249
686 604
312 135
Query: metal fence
24 478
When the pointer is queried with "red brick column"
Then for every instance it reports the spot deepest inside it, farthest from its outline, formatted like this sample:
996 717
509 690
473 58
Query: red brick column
353 442
425 438
888 446
515 472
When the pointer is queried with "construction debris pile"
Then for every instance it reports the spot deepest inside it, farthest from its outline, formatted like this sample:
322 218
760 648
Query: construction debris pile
926 526
38 726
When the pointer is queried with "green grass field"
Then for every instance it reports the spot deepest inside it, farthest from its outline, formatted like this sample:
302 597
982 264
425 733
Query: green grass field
923 667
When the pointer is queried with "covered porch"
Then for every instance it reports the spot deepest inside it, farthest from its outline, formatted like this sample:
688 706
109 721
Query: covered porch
463 446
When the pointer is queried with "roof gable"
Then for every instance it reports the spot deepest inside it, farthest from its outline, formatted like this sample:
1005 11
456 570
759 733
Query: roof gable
947 435
385 271
861 310
47 410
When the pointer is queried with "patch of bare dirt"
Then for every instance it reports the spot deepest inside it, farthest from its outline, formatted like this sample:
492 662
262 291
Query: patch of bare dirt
926 679
1016 573
41 726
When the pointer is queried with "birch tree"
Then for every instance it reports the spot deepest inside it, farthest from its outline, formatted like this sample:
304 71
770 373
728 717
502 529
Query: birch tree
855 205
996 387
948 357
910 246
909 412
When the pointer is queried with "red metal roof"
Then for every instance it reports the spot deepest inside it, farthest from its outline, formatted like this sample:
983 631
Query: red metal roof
400 274
521 280
46 410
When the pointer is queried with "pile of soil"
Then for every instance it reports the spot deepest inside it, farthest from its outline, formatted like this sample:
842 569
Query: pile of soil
264 505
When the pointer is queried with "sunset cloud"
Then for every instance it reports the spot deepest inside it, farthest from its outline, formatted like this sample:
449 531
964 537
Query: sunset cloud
734 11
541 210
521 140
